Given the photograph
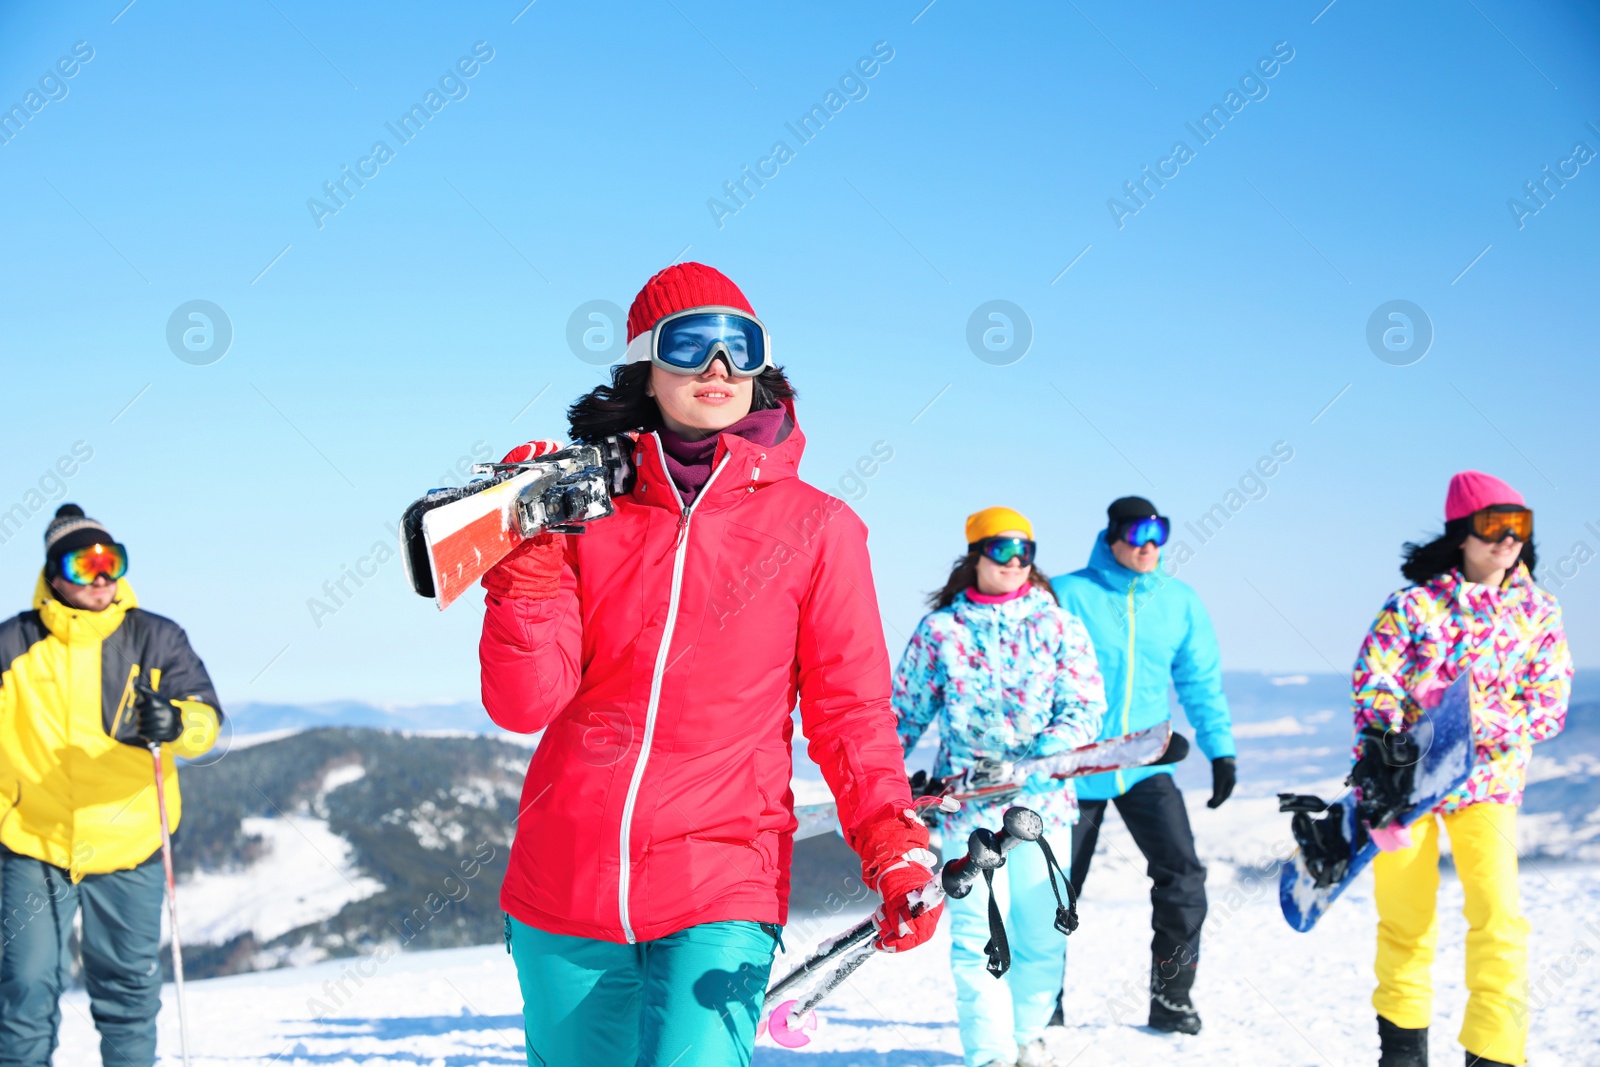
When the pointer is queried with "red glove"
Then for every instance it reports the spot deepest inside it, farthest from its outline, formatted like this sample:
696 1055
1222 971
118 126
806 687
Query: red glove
532 571
539 446
896 862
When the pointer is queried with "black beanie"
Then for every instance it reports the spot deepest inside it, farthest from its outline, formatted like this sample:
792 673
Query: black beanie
1130 508
1124 510
71 529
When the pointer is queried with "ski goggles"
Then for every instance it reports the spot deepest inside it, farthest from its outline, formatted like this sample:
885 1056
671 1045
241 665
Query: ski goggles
1003 550
82 566
1152 531
1493 523
686 342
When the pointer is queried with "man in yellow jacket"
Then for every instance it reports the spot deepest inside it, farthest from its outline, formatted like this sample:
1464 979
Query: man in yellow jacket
79 825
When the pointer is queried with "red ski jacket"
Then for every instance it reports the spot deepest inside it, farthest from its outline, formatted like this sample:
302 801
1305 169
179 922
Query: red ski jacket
664 674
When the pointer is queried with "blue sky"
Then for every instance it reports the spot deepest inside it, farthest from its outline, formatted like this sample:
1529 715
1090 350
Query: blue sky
425 320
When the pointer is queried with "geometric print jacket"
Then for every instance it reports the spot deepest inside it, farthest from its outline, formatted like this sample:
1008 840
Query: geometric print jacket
1509 638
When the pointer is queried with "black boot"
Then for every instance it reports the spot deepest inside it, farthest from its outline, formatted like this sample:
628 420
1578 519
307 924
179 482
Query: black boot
1479 1061
1400 1047
1172 1010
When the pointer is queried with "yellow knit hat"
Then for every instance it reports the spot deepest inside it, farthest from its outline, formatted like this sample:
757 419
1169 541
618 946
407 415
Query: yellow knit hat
992 521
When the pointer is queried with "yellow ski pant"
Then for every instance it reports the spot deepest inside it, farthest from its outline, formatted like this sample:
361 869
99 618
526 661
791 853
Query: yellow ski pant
1407 884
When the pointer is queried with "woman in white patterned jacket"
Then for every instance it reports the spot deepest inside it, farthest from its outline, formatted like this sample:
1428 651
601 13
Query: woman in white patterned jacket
1007 674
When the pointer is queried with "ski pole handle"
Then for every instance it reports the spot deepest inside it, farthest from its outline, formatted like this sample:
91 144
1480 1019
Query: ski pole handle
986 850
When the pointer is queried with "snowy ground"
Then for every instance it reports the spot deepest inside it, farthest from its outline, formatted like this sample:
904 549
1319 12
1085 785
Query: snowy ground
1268 995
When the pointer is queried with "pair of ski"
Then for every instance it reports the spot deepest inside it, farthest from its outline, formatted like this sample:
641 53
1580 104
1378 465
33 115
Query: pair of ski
784 1015
451 537
992 782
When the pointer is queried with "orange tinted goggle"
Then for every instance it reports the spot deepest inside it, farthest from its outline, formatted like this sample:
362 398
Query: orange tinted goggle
1492 524
83 565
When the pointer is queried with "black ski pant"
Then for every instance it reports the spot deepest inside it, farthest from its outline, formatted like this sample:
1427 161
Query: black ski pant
1155 816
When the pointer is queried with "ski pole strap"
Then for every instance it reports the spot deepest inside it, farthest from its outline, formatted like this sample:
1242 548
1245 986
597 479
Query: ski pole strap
1066 916
998 949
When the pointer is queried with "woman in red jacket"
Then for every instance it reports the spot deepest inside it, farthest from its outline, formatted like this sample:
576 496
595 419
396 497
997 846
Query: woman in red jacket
662 653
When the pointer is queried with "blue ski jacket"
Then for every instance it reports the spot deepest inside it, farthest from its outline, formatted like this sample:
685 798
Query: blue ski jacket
1148 630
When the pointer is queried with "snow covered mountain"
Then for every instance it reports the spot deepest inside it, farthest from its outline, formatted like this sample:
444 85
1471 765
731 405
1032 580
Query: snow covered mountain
326 842
255 718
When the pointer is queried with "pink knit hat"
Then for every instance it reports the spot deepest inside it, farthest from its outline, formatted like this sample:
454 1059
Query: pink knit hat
1473 491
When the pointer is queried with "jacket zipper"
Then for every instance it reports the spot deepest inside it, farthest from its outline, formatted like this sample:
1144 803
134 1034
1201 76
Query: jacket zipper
1127 702
625 851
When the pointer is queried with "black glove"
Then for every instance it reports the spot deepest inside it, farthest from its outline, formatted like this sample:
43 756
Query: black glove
1223 777
157 720
1177 748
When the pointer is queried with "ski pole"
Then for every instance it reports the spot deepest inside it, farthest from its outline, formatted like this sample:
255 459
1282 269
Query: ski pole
986 850
172 899
837 948
840 956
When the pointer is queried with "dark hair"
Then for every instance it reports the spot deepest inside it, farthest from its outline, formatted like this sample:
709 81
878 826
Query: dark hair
964 575
623 406
1425 561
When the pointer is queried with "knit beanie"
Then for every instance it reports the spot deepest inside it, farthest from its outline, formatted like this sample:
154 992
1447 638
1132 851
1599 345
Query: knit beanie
993 521
1126 509
678 288
1473 491
71 529
1129 509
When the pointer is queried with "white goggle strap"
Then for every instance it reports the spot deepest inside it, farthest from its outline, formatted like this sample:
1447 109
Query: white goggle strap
639 348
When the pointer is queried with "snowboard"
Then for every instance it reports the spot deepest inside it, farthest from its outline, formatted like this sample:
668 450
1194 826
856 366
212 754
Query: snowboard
449 538
996 782
1447 756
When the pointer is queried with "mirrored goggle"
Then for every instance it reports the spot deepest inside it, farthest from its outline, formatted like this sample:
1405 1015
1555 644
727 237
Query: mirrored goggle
688 341
1493 523
1003 550
82 566
1151 531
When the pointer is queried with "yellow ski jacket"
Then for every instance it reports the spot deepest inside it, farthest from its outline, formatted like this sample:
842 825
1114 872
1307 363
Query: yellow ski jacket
72 792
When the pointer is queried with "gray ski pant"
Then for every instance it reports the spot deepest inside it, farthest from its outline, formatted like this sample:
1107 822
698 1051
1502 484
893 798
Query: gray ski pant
121 946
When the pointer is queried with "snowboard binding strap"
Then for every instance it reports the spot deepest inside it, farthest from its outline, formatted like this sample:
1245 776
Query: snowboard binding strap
1322 844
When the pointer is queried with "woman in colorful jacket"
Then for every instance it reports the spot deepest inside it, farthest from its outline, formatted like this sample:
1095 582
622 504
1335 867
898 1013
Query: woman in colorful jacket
1473 609
662 653
1007 675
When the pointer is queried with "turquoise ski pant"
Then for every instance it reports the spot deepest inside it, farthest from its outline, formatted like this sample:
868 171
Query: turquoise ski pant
692 997
998 1015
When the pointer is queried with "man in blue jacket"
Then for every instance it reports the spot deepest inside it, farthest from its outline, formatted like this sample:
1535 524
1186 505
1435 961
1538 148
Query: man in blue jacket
1150 630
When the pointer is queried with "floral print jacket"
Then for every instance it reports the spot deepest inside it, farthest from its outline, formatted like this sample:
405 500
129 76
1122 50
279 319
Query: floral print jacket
1511 640
1004 681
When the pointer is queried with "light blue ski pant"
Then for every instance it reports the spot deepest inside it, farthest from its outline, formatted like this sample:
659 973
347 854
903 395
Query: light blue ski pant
692 997
998 1015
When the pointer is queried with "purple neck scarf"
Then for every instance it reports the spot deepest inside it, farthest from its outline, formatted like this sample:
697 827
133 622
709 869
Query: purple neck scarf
689 462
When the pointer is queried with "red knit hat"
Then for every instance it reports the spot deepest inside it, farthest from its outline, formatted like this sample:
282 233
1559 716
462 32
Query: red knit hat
1473 491
678 288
